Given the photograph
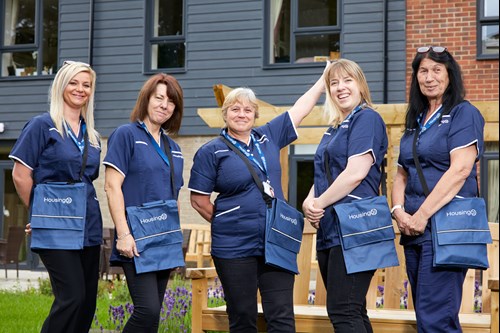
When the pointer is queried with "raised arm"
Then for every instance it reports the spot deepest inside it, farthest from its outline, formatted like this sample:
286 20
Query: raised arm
304 105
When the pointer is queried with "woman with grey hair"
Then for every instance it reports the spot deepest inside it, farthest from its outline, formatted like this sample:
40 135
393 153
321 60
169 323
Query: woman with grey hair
238 215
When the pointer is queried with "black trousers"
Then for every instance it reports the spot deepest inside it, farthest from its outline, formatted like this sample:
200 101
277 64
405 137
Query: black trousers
74 275
346 293
240 279
147 291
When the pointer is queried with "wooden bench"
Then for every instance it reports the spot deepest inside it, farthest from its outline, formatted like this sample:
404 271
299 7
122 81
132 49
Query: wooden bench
198 246
390 318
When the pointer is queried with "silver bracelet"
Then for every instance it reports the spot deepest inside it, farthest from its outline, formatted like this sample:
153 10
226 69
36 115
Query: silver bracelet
122 236
396 207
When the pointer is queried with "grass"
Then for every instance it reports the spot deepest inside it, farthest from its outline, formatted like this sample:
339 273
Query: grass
25 311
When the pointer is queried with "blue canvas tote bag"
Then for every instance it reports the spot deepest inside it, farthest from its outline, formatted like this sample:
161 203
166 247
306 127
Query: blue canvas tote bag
460 232
284 228
57 216
366 234
158 235
284 225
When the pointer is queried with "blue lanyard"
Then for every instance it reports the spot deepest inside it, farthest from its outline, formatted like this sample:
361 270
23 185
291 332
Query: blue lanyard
236 143
430 122
155 144
79 143
359 107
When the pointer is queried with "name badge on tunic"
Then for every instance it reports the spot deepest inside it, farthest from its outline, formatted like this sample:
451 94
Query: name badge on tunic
268 189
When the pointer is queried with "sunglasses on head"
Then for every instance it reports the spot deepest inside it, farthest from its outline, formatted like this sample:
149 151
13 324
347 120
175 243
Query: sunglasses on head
71 62
435 49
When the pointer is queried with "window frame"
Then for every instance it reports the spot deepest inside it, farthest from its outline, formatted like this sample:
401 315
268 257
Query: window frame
150 40
484 175
483 21
296 31
37 46
293 160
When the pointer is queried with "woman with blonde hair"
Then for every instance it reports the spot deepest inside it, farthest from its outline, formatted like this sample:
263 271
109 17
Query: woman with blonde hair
346 167
62 146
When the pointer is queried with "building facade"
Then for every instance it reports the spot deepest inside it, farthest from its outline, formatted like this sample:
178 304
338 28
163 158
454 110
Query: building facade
275 47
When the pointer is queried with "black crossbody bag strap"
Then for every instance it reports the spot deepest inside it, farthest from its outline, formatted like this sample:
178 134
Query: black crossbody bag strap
418 166
168 152
255 177
84 156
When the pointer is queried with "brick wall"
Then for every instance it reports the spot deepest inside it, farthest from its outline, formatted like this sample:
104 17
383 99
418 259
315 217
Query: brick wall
453 24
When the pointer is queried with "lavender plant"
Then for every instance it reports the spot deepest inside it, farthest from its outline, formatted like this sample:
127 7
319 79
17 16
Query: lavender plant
175 315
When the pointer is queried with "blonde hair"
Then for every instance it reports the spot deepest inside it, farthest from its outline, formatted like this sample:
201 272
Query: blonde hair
341 68
240 95
56 98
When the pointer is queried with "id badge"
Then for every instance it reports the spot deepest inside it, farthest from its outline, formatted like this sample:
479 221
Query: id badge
268 189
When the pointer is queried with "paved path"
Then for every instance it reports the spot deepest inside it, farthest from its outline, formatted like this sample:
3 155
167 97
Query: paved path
26 279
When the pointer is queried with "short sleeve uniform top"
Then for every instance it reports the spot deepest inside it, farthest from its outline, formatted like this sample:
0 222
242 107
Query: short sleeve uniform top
362 132
239 217
56 158
146 175
462 127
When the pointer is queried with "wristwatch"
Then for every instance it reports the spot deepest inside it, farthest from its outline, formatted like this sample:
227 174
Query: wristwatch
396 207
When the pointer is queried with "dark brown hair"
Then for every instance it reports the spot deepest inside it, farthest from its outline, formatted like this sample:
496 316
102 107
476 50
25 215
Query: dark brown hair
174 93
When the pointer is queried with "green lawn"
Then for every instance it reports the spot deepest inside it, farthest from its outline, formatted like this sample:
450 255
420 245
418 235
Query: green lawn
25 311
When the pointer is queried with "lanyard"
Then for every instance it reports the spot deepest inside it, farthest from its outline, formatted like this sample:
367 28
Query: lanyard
155 144
79 143
430 122
237 144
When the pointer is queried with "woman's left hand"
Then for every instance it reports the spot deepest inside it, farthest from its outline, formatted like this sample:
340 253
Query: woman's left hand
27 229
312 213
417 224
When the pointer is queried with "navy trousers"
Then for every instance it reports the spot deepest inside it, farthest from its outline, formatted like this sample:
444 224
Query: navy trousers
437 292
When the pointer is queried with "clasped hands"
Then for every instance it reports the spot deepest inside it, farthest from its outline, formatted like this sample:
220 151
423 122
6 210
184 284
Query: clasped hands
410 225
312 214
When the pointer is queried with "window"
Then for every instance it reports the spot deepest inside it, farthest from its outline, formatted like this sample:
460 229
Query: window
489 174
488 29
301 173
302 31
166 47
28 37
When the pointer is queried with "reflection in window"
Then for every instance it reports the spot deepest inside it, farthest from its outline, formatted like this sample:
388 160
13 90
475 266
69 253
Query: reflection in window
167 42
488 28
26 50
303 31
490 39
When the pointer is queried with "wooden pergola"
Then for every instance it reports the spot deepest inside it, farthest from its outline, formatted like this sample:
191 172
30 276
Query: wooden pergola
314 125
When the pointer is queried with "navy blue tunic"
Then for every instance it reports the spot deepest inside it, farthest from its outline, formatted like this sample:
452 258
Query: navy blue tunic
147 176
239 218
462 127
54 158
362 133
